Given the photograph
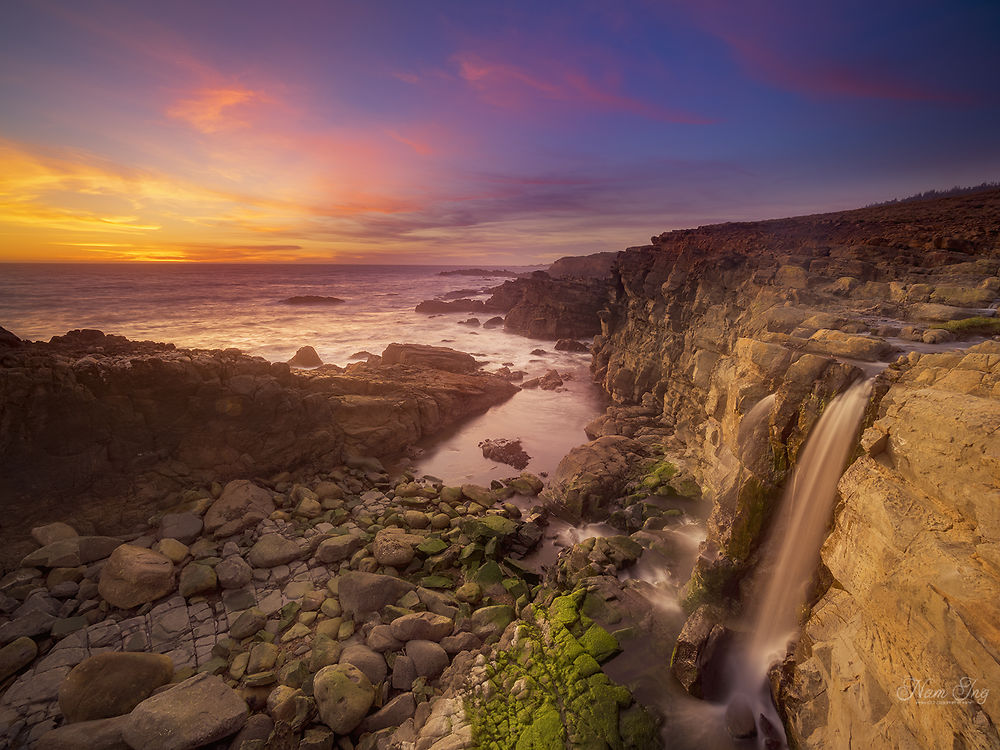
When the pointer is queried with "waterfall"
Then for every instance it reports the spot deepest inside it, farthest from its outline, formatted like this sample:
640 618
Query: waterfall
790 557
801 526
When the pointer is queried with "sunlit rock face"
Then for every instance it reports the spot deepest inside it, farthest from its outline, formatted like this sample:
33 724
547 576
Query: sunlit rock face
902 650
738 336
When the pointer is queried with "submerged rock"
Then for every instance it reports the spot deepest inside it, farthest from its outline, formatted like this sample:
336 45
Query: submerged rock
505 451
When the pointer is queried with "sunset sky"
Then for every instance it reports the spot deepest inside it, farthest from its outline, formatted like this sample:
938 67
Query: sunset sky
501 133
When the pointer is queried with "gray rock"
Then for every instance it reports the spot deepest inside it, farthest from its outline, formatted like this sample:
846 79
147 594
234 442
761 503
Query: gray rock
196 712
381 639
429 659
394 547
367 660
403 673
196 579
369 592
272 550
392 714
184 527
233 572
343 696
464 641
421 626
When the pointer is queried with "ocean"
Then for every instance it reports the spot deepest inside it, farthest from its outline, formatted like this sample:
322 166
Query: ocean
214 306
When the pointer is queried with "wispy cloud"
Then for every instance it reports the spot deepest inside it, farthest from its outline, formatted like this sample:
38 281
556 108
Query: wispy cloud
513 86
216 109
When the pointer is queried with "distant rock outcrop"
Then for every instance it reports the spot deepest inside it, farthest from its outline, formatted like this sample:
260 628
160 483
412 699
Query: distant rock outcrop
595 266
312 299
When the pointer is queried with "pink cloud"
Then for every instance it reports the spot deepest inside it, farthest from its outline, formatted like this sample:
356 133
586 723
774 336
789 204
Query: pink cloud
512 86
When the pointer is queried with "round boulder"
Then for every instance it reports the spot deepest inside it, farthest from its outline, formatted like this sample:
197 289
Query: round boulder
343 696
135 575
112 684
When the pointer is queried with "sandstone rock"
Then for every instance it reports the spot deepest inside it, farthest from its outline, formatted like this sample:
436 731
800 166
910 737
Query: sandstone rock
272 550
361 593
197 712
16 655
99 734
343 696
424 626
112 684
306 356
241 505
134 576
53 532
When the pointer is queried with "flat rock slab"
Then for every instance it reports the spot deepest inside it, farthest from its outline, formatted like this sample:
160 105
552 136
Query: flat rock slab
197 712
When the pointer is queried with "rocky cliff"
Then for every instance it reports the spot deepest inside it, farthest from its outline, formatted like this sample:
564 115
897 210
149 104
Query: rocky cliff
736 336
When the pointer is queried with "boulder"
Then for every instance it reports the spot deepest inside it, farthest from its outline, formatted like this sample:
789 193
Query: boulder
28 624
570 345
306 356
196 579
392 714
422 626
248 622
361 593
135 575
242 504
695 646
112 684
272 550
343 696
505 451
195 713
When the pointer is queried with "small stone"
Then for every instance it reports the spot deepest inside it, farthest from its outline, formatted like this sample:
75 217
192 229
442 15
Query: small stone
470 592
338 548
424 626
403 673
263 656
184 527
247 623
367 660
392 714
172 549
233 572
325 651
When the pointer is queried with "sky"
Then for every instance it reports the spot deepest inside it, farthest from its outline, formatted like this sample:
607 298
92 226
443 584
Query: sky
471 132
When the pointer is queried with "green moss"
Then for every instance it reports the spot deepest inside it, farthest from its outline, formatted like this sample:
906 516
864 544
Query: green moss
599 643
752 510
561 698
977 326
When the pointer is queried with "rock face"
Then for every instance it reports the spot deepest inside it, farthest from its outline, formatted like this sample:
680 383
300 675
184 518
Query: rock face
594 266
914 555
734 338
134 576
546 308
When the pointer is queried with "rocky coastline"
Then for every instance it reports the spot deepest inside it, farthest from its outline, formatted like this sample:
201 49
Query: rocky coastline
206 549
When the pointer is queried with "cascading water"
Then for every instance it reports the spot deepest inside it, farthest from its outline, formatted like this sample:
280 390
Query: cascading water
793 551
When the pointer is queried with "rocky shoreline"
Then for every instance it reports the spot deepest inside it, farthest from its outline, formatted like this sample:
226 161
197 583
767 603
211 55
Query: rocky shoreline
214 530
